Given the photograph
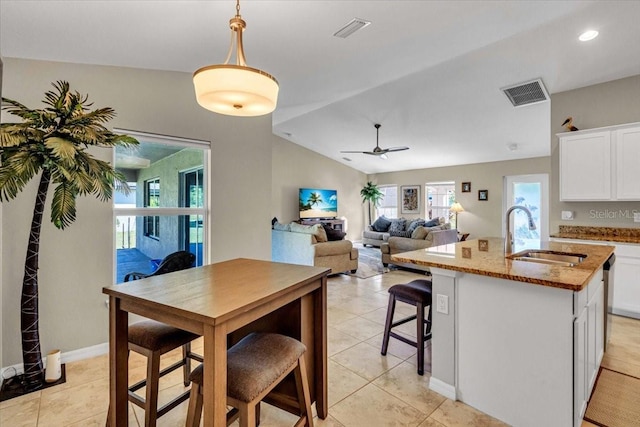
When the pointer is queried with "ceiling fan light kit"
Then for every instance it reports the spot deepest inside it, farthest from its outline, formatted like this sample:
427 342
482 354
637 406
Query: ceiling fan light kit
236 90
377 151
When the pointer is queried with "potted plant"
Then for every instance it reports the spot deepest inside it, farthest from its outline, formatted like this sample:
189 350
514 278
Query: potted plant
53 143
372 194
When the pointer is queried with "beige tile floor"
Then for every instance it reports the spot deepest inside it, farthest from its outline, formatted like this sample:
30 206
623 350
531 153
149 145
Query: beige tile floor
365 388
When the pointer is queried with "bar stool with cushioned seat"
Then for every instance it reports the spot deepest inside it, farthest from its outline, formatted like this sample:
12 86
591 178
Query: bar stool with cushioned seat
255 365
153 339
417 293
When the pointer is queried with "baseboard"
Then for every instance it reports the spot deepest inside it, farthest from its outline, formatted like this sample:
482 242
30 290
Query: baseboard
69 356
445 389
634 314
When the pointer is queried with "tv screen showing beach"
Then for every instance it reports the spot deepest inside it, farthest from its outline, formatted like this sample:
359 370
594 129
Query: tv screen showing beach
316 203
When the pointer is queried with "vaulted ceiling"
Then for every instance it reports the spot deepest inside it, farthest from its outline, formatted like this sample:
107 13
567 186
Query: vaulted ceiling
430 72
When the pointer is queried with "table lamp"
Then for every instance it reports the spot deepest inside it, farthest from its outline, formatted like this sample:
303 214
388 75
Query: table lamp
456 207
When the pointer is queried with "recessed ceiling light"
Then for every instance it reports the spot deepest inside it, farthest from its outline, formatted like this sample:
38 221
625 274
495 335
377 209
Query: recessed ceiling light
588 35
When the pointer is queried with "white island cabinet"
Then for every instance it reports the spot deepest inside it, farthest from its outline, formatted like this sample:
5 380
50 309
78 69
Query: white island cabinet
520 341
600 164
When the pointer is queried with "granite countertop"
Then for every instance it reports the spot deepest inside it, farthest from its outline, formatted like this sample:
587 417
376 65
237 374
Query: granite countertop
486 257
602 234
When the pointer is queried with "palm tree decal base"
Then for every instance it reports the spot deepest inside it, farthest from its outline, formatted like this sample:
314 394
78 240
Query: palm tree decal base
53 142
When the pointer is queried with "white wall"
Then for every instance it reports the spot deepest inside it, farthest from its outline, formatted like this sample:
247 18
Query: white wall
481 218
76 263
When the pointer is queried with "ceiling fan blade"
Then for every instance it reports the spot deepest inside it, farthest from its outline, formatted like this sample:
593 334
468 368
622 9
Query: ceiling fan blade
388 150
359 152
373 153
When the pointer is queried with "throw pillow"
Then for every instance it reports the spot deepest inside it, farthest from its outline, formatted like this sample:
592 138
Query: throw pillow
333 234
419 233
281 227
405 233
415 224
381 224
315 230
321 235
397 225
432 223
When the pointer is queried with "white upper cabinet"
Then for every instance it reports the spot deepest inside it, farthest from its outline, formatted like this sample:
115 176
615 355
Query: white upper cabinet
628 164
600 164
585 166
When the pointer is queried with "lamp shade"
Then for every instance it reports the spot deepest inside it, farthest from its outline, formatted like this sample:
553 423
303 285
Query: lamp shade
235 90
456 207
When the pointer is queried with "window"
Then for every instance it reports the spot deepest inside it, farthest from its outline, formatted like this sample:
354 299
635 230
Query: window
152 200
167 208
440 197
388 205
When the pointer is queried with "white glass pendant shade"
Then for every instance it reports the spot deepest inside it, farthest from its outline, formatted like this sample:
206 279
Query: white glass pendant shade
235 90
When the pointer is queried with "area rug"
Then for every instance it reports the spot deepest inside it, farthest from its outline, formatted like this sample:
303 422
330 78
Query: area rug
369 262
615 401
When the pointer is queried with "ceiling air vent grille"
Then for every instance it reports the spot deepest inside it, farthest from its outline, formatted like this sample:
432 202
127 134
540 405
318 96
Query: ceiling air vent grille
351 27
527 93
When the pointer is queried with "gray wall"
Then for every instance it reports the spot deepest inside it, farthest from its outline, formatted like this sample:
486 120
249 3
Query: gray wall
605 104
76 263
481 218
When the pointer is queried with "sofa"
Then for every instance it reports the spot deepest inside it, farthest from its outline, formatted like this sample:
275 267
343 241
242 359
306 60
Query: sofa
379 232
304 247
436 236
372 237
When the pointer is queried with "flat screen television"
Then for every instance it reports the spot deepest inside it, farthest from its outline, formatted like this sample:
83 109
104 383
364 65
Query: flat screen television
316 203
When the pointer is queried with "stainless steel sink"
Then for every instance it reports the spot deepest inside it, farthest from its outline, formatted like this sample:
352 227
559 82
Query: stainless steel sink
549 257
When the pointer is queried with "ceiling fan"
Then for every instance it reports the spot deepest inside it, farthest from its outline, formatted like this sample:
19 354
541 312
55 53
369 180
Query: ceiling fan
380 152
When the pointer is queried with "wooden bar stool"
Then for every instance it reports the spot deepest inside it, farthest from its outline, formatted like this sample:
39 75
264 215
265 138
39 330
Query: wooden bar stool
417 293
153 339
255 365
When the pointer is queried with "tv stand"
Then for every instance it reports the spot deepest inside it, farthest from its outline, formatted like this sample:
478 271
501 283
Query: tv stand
336 224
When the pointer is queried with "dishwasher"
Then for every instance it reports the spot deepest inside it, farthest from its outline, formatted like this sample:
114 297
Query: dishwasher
608 275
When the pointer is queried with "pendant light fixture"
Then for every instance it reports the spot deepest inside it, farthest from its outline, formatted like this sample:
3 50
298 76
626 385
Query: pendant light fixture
236 90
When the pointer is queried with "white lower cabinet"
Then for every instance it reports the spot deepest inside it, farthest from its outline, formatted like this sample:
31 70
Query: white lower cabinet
588 341
626 291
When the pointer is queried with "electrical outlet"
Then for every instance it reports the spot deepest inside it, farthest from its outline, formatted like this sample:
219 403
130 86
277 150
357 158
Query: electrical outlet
442 304
567 215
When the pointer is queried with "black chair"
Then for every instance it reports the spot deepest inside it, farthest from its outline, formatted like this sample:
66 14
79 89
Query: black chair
173 262
417 293
153 339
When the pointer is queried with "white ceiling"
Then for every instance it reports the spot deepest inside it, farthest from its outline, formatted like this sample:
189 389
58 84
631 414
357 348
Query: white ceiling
429 71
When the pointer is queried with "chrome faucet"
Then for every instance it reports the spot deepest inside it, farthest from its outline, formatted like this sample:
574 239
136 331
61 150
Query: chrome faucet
508 241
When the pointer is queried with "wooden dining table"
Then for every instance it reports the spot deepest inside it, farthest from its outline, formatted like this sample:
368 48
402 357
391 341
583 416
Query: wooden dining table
224 302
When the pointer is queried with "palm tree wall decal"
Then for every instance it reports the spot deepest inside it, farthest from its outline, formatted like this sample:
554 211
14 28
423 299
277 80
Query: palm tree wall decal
53 141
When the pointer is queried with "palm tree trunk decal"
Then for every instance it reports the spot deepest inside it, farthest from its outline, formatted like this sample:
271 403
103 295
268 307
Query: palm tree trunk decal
31 354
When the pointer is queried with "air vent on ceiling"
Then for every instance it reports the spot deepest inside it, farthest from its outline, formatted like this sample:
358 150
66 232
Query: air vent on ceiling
351 27
526 93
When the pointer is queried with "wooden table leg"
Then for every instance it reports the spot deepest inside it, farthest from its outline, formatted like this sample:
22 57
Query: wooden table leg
118 364
215 376
320 327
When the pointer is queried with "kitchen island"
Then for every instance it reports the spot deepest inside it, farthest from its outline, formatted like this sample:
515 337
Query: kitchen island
521 341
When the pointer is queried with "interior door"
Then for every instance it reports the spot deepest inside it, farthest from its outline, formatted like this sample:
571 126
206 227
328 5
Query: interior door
532 192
